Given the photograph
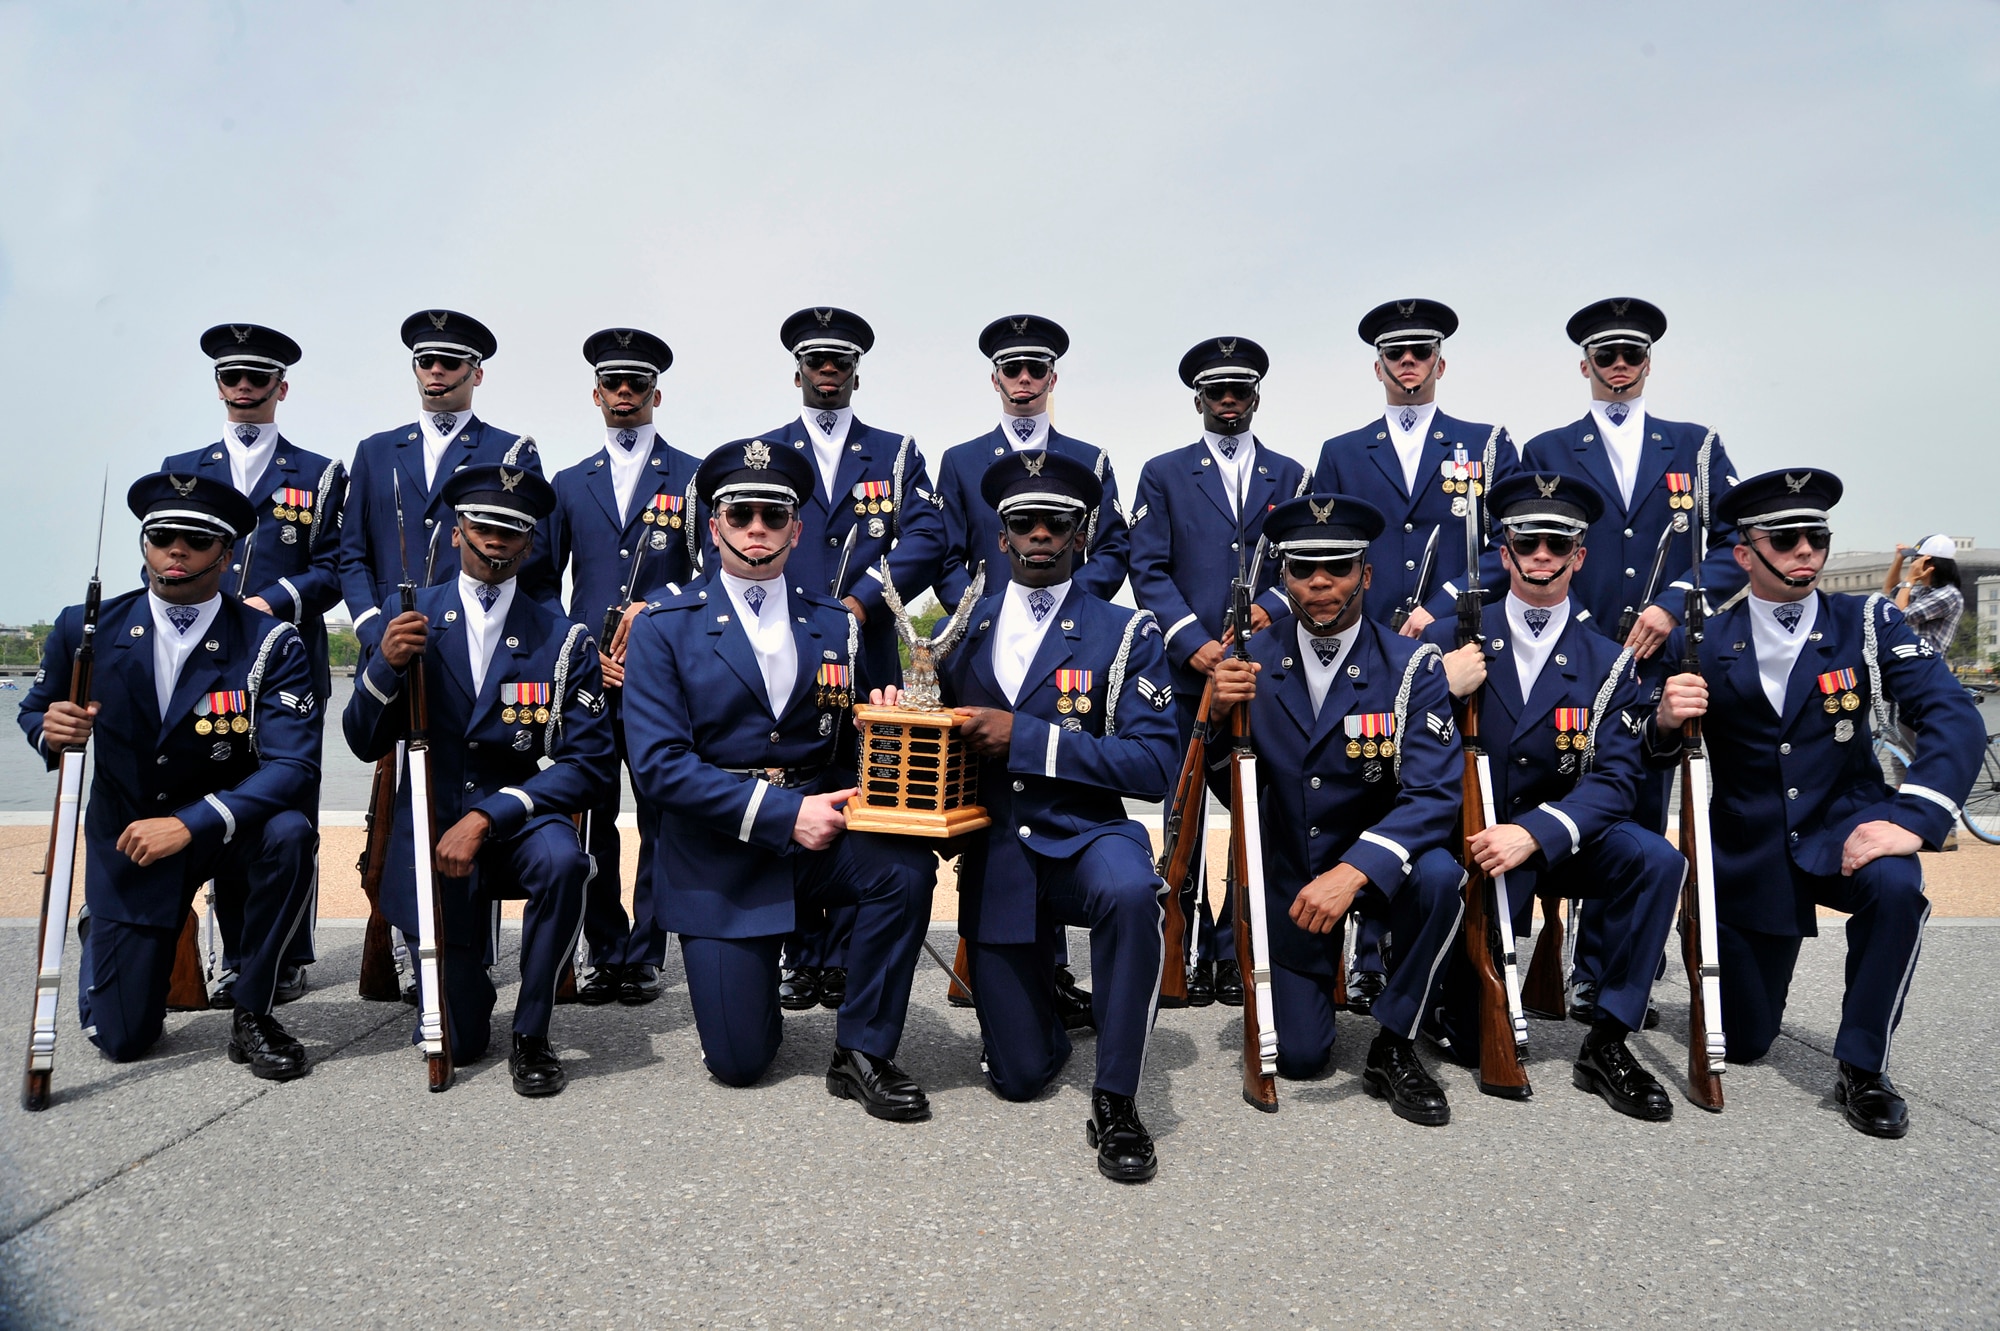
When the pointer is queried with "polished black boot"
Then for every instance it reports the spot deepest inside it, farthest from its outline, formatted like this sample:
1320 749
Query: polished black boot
798 988
1363 988
1604 1066
1124 1147
598 986
534 1067
833 987
292 985
222 998
639 985
1073 1002
884 1090
266 1046
1394 1073
1228 983
1871 1102
1201 984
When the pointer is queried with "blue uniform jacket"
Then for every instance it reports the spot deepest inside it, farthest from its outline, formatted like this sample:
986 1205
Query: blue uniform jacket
1059 787
697 717
481 761
1363 463
1621 543
585 535
910 532
370 552
294 555
1789 789
223 784
1184 544
972 528
1319 806
1536 784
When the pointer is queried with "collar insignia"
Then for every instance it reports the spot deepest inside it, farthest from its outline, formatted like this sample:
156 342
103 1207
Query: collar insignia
1797 483
1548 487
1321 513
438 319
183 488
757 455
508 480
1034 462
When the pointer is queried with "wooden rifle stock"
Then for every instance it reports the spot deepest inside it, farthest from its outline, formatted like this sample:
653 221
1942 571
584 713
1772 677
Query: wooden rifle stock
1700 946
1500 1070
1544 993
187 989
379 981
1182 851
960 989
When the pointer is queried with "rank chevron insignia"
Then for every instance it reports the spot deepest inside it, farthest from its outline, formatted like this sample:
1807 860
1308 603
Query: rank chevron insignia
757 455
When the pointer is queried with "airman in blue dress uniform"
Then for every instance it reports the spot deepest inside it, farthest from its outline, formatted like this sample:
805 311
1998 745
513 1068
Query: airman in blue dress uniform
1358 786
1066 699
288 567
205 729
511 684
736 698
872 485
624 525
448 353
1196 509
1560 716
1794 683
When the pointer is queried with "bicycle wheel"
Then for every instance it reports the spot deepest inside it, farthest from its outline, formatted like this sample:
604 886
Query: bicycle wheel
1982 803
1894 762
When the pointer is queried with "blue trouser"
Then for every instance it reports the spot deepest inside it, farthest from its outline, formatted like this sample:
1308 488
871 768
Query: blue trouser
1111 889
1655 786
733 982
545 864
613 940
122 992
1885 934
1424 913
1632 878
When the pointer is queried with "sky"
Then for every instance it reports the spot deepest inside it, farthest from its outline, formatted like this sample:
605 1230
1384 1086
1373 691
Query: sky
1810 192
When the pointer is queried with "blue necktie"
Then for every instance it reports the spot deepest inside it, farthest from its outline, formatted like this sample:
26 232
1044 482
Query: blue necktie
1618 411
1040 602
1227 445
1326 649
1024 428
827 420
444 420
1409 419
754 597
182 617
627 438
1788 615
248 434
1537 621
487 595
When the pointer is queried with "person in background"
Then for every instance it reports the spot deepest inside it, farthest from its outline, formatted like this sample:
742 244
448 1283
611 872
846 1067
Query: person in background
1929 594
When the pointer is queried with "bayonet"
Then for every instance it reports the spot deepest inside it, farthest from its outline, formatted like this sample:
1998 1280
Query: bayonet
1421 588
1630 618
846 553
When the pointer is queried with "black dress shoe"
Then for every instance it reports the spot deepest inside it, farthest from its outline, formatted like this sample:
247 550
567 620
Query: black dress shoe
534 1066
265 1045
798 988
292 985
1124 1147
409 995
1610 1070
1363 988
639 985
1073 1002
884 1090
223 997
1201 984
1871 1101
833 987
1394 1073
598 986
1228 983
1584 1009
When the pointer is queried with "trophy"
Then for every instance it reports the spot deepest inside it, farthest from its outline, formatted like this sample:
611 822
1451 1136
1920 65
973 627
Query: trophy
916 776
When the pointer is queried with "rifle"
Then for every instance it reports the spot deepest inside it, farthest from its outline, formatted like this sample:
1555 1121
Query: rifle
1425 567
1489 925
380 980
59 868
1181 851
433 1024
1246 863
1700 946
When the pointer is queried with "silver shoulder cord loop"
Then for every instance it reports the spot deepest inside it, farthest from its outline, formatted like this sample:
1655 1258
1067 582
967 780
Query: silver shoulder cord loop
553 730
1434 654
1114 684
1602 701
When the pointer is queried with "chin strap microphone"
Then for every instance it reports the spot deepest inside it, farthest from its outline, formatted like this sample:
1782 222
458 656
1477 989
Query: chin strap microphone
1806 581
1325 628
753 563
171 578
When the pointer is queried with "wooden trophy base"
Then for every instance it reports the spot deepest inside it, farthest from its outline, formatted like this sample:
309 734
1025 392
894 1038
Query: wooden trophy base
916 777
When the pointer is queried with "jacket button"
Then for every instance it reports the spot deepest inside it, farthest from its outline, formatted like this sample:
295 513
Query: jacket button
774 737
1024 831
161 760
1232 545
1795 836
430 522
1315 783
468 785
1312 831
472 744
1628 533
833 540
1020 786
1792 794
236 568
160 798
1409 526
1631 573
1784 748
1521 761
624 554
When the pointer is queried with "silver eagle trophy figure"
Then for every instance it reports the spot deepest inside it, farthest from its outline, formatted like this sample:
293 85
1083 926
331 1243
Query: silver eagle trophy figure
920 680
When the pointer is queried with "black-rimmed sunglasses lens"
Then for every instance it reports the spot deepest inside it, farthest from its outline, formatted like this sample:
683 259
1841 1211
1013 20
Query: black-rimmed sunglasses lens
1606 357
163 538
237 378
776 517
1228 388
1818 538
1559 546
636 383
1033 369
1417 351
824 360
431 360
1302 570
1059 524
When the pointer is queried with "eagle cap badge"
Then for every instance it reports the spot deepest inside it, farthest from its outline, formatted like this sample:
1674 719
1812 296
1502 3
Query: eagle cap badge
439 318
1618 307
757 455
1406 308
242 335
1227 346
623 336
825 317
183 488
508 480
1322 513
1797 483
1548 487
1021 324
1034 462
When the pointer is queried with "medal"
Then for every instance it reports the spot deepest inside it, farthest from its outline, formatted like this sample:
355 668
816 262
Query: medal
1354 748
240 724
278 512
649 517
874 507
541 716
1832 704
1388 748
1562 740
1073 685
1083 702
888 504
306 516
1838 686
203 726
507 715
1369 749
1064 705
1850 702
861 510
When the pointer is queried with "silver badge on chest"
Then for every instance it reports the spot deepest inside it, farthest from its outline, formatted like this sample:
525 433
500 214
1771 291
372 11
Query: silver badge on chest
876 528
1843 730
220 752
288 534
523 741
658 540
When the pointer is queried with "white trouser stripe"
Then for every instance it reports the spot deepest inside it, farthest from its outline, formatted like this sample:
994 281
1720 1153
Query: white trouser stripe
1909 973
750 814
228 818
1430 981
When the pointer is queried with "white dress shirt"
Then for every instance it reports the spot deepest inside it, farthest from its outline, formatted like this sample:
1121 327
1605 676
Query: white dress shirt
1410 442
248 462
483 628
1231 470
627 463
1624 442
1018 635
826 444
1777 647
172 646
1532 650
1320 677
1038 439
769 629
435 443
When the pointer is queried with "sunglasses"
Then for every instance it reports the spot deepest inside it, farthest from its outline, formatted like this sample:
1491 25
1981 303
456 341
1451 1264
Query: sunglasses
165 538
1416 351
236 378
1606 357
1302 570
1223 390
826 360
1558 545
1059 524
1032 369
432 360
634 382
776 517
1787 538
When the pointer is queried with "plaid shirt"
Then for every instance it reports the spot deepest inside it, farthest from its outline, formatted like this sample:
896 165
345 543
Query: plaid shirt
1933 613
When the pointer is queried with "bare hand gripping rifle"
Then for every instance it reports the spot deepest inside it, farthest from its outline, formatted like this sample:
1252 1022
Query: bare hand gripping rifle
1701 949
59 869
1489 925
1246 862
